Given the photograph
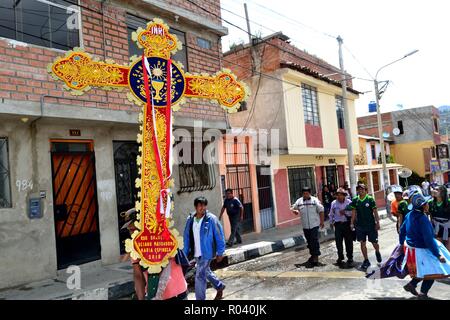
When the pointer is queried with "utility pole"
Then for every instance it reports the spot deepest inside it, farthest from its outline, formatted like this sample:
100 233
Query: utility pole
348 137
254 56
380 134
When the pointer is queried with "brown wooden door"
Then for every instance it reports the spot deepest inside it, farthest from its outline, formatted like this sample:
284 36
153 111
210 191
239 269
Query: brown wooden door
75 203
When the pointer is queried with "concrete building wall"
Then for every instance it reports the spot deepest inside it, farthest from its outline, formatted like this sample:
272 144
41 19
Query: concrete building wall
417 124
32 242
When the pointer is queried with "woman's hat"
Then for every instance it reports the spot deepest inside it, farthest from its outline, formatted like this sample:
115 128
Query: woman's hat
342 191
418 201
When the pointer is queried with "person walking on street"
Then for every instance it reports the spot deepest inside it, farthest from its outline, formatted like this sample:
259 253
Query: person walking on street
340 218
440 215
426 259
204 239
399 207
235 212
312 217
366 222
327 199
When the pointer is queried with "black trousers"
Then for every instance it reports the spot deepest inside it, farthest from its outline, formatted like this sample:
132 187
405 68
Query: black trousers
312 239
343 233
235 222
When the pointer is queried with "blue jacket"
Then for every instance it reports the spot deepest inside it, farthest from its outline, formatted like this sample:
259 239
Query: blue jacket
211 237
418 232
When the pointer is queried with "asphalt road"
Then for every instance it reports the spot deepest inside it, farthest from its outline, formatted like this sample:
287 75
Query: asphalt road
275 276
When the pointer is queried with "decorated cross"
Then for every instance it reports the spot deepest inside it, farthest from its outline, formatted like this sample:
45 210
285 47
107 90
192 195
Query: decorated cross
159 85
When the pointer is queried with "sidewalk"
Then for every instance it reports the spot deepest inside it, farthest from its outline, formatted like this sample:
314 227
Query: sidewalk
116 281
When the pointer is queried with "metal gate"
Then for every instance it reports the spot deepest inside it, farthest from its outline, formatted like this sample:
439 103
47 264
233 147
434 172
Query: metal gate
126 171
238 179
263 178
75 203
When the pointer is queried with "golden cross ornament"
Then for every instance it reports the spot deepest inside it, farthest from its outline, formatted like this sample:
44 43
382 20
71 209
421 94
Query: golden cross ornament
151 79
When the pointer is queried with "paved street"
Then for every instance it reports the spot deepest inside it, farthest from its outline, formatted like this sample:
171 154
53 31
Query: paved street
275 276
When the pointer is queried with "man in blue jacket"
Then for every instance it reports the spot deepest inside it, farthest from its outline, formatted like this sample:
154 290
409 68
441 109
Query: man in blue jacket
204 240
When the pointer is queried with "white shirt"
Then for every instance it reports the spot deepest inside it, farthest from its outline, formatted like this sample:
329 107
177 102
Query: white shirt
196 230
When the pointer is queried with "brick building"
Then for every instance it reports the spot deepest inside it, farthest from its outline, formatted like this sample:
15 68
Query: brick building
75 156
297 105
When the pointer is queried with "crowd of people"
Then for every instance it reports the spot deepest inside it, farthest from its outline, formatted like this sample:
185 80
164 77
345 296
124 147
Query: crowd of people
423 225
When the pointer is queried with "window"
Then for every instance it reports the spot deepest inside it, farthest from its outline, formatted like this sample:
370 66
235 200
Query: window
195 174
299 178
203 43
436 125
133 23
433 152
374 153
400 126
392 178
5 186
310 106
340 112
47 23
376 181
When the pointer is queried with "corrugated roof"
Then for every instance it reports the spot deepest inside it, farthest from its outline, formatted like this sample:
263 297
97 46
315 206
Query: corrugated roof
314 74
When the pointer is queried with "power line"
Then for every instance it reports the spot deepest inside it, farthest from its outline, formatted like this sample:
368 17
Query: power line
295 21
330 68
191 48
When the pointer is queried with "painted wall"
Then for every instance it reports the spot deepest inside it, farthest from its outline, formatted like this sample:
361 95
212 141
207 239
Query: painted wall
297 139
411 155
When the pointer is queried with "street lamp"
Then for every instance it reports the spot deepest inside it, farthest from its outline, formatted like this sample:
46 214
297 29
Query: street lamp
380 125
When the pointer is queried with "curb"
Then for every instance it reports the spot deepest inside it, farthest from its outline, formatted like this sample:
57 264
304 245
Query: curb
277 246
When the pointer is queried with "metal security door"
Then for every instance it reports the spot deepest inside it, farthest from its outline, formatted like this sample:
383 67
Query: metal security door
238 179
75 203
126 171
263 178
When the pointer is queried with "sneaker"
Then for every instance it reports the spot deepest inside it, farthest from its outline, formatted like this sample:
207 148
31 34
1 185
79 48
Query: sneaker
339 262
310 264
423 296
411 289
378 255
239 242
365 265
350 263
229 245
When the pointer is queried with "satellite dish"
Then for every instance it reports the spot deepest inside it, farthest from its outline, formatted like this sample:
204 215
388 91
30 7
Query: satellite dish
405 173
396 131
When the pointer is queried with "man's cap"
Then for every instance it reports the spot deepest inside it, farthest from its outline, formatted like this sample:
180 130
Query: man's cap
342 191
306 189
361 186
396 188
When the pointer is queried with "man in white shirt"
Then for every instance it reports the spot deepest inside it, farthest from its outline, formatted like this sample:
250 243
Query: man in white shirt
312 217
204 239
